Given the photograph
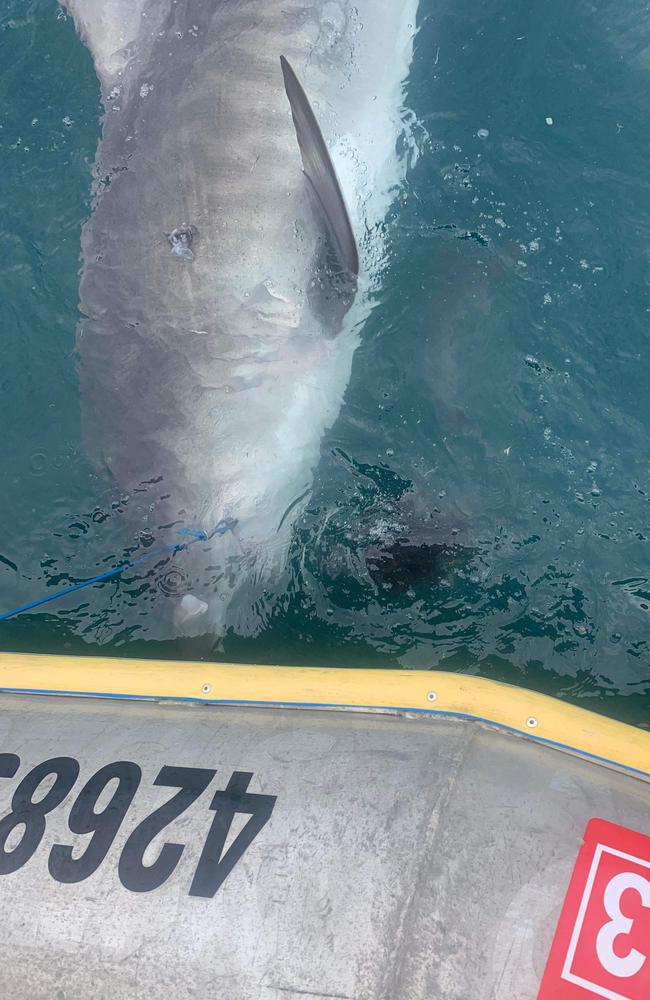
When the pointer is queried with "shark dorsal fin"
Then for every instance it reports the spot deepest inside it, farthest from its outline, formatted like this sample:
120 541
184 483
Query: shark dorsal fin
319 168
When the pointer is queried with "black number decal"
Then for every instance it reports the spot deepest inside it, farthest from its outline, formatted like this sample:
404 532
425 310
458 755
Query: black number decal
9 764
214 865
103 825
133 873
213 869
32 814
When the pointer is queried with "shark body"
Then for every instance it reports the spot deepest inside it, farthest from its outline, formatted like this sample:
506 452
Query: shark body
229 263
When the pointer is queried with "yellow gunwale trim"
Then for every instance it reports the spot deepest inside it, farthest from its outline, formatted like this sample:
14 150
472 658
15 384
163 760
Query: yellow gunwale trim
527 713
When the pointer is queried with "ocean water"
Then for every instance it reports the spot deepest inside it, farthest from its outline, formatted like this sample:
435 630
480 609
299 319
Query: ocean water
502 383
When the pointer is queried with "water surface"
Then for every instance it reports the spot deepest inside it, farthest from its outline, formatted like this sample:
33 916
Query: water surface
504 372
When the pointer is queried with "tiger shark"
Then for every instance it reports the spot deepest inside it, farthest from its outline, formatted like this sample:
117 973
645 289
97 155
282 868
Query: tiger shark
245 169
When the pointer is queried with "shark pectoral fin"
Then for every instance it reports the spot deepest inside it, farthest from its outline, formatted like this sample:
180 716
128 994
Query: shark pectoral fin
110 31
319 168
190 607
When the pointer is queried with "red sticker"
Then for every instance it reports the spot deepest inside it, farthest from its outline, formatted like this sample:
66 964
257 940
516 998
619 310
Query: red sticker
601 946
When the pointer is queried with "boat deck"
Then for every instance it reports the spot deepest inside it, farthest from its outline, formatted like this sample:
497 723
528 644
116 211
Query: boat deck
383 857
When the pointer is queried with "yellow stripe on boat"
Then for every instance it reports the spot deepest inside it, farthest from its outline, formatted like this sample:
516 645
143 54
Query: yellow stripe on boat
438 693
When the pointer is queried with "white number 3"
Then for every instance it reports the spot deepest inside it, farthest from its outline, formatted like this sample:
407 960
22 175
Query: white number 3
631 963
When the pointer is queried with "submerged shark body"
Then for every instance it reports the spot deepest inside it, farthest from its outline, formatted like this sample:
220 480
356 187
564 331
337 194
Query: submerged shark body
220 304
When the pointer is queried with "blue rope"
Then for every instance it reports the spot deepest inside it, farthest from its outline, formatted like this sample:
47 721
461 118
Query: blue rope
226 524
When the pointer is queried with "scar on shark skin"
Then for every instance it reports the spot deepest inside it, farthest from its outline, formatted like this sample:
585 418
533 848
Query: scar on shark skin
181 240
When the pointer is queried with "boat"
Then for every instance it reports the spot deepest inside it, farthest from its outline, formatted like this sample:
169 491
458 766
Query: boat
203 830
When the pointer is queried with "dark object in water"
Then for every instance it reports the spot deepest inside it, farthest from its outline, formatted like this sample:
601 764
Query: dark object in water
403 566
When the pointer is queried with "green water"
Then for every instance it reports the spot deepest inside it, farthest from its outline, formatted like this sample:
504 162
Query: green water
505 371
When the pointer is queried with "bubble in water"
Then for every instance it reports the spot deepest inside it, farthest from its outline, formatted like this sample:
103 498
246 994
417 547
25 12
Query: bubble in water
38 463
